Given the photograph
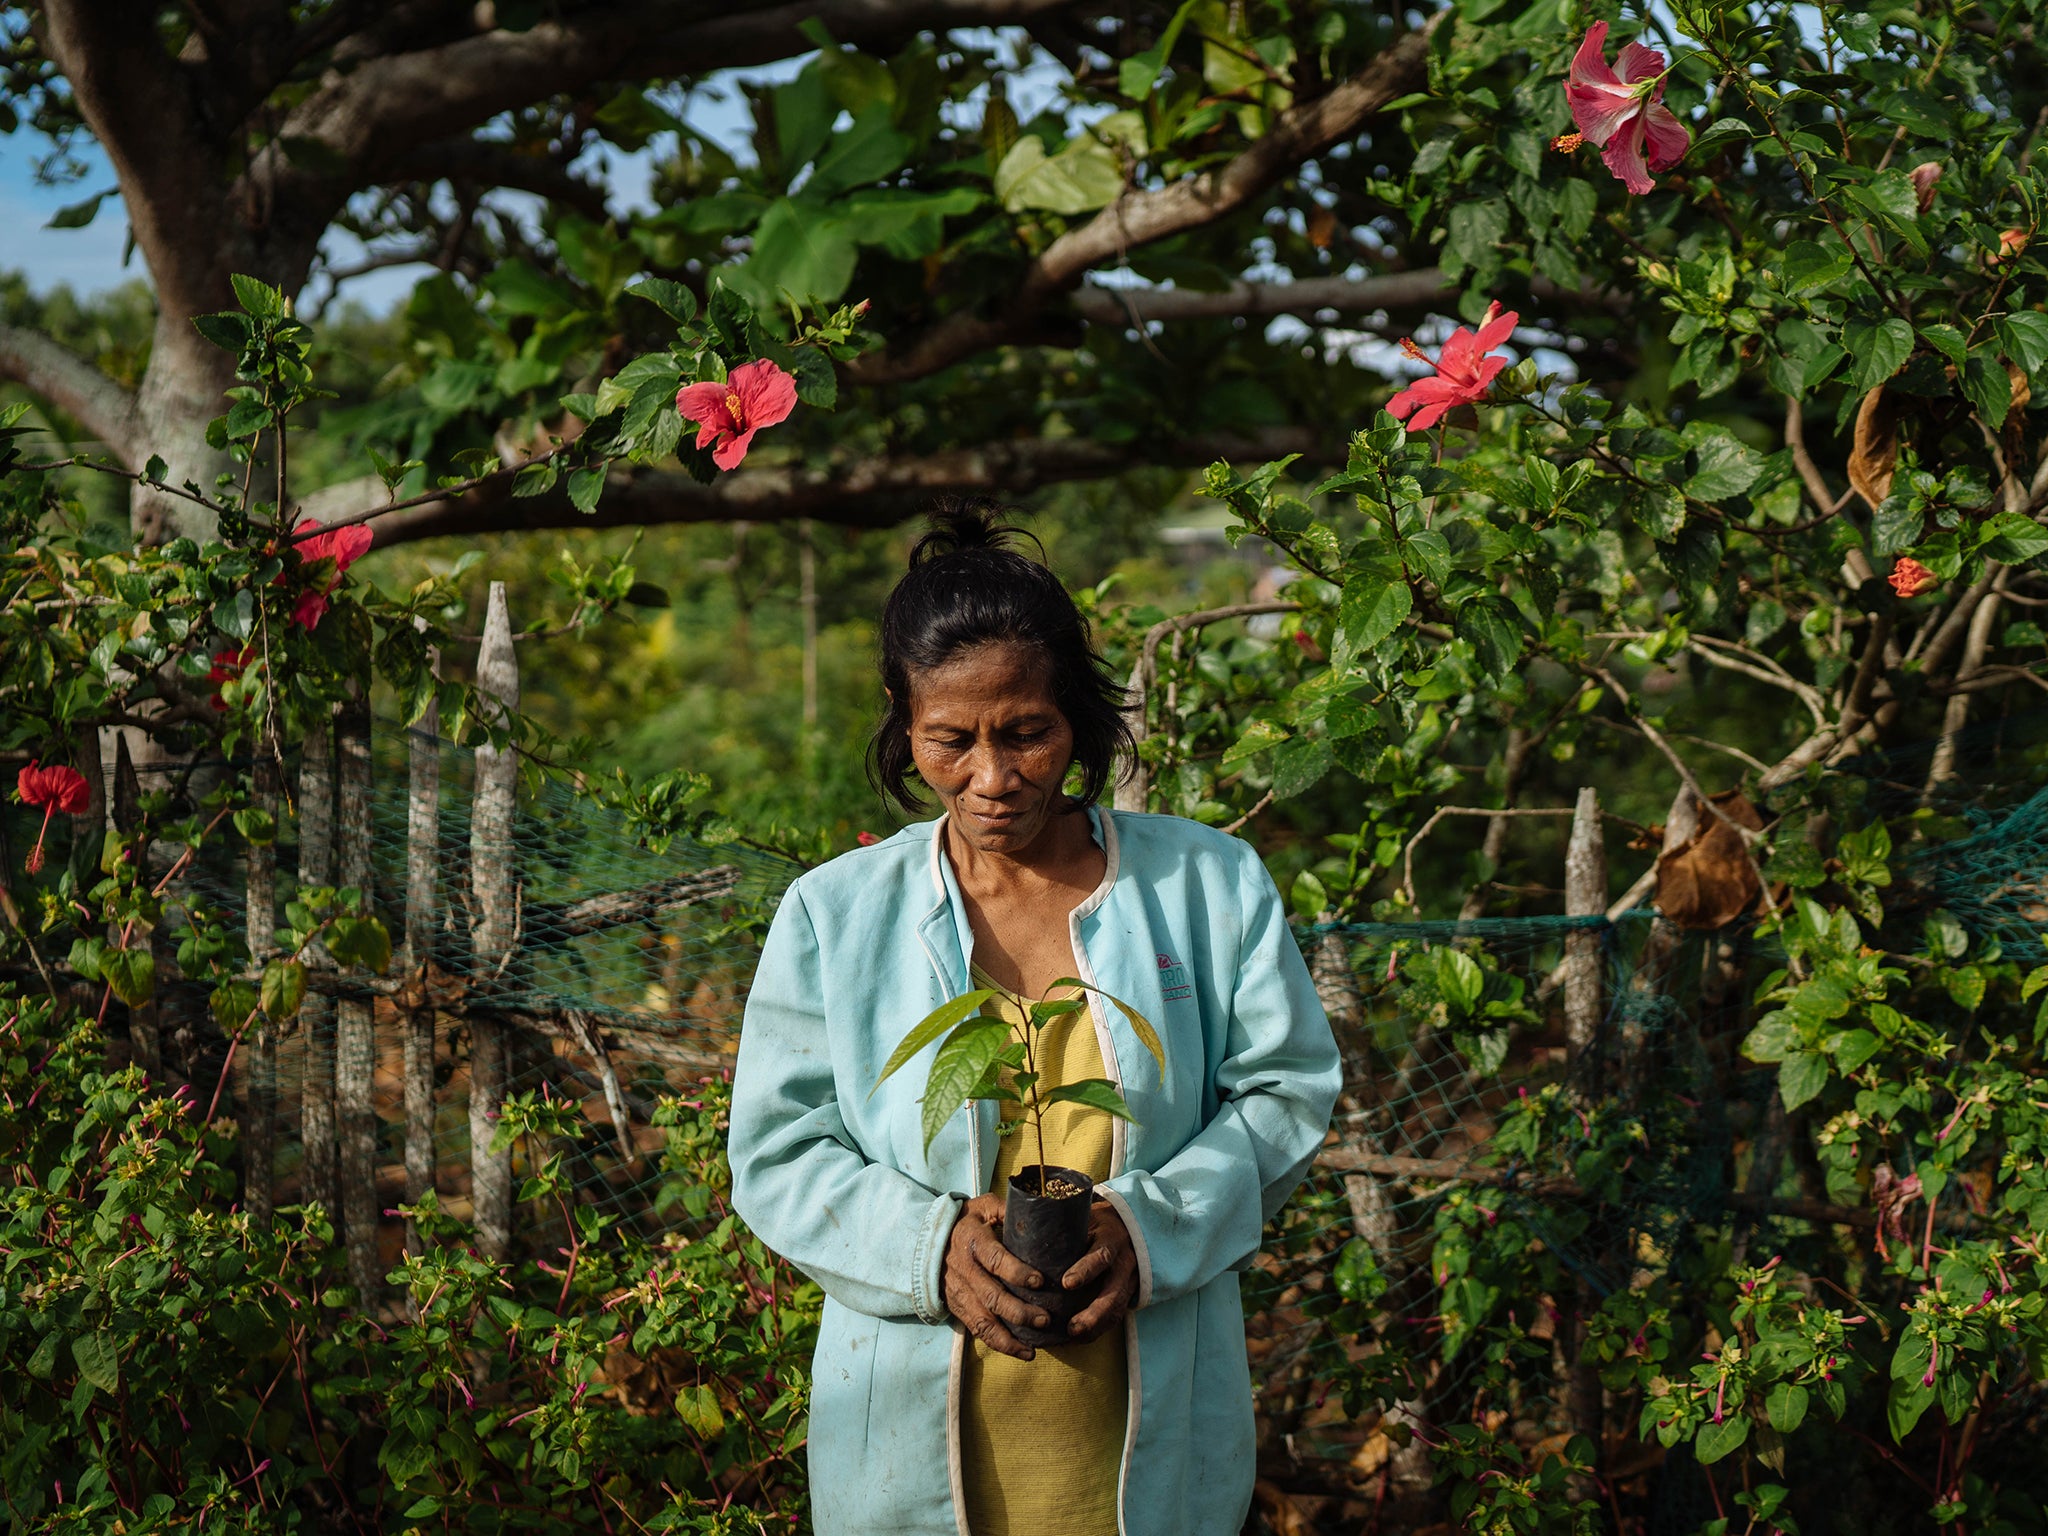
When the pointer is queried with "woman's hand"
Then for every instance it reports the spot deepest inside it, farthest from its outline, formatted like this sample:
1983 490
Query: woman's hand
977 1264
1110 1253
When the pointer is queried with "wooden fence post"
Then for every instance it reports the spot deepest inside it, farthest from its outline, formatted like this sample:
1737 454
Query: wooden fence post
320 1179
144 1038
355 1039
1585 895
259 1137
422 868
494 928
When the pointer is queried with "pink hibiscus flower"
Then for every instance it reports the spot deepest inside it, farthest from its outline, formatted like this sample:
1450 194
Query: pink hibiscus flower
756 395
55 788
1909 578
1624 114
1463 371
344 546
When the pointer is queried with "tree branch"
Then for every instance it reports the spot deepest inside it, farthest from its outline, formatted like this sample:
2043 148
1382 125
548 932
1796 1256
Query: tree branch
488 164
867 493
63 379
369 117
1140 218
1420 289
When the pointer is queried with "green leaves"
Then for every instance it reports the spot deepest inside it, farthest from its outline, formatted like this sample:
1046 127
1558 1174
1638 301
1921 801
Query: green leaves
362 941
1987 386
963 1060
98 1361
284 987
1372 608
130 974
1082 177
1094 1092
1726 466
1876 352
931 1027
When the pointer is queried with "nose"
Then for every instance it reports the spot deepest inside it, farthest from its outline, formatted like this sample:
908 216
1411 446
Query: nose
992 772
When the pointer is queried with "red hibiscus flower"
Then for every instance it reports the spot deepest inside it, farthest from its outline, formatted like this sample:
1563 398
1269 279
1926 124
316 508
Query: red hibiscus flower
1463 371
344 546
55 788
228 665
1624 114
1910 578
757 395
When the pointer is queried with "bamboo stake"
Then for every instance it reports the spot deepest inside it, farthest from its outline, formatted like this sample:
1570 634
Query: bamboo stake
320 1180
355 1039
493 935
259 1137
422 868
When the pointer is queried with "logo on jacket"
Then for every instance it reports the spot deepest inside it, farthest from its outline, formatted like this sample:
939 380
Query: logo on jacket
1173 980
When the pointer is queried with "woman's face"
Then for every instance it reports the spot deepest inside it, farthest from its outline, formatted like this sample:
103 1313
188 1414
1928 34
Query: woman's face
989 740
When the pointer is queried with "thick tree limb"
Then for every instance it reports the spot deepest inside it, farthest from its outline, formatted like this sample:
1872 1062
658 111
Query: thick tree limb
868 493
1139 218
63 379
370 116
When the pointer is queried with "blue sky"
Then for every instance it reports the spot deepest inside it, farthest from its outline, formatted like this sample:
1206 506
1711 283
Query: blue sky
89 260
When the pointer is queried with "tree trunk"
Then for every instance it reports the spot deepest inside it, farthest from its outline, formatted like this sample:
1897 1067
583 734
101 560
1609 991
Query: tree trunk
180 393
259 1137
422 866
494 931
355 1041
316 1013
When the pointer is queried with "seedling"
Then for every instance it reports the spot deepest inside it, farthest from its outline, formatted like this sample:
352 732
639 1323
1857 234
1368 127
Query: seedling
979 1049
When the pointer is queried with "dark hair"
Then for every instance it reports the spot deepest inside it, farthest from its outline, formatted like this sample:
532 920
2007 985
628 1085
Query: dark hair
968 586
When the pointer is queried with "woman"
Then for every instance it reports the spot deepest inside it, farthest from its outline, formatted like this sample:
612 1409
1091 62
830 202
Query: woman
928 1415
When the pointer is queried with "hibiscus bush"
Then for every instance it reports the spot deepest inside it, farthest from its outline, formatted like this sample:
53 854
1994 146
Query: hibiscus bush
179 1362
1731 504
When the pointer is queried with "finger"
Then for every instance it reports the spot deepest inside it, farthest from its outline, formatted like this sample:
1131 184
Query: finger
1109 1307
1003 1264
987 1209
1096 1261
991 1332
1012 1309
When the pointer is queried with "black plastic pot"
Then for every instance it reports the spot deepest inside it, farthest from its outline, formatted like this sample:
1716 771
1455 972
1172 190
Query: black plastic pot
1050 1235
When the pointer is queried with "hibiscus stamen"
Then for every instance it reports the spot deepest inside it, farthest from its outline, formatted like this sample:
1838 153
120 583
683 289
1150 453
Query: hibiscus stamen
1408 346
1565 143
736 410
35 854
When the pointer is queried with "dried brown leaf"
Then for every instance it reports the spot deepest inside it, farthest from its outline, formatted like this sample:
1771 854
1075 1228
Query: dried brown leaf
1708 880
1875 452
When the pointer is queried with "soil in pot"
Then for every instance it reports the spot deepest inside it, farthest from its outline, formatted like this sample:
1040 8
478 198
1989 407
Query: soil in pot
1048 1229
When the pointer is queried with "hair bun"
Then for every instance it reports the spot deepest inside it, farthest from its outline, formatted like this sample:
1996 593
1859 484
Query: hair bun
962 523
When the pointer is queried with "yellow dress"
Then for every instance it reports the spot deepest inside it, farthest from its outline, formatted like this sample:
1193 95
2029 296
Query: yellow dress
1042 1440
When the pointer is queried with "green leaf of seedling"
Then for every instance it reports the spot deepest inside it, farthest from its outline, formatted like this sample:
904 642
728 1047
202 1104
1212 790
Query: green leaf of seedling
1043 1014
1140 1025
930 1028
967 1053
1095 1092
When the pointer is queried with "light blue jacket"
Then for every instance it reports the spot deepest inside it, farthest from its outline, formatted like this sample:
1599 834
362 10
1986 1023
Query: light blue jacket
1188 929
